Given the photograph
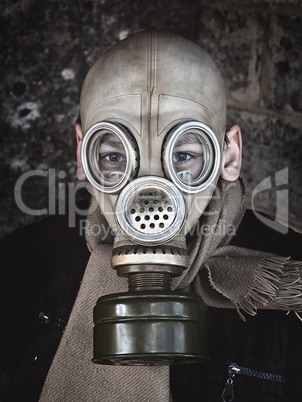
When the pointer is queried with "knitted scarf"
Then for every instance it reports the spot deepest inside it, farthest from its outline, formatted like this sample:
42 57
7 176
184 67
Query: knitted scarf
225 277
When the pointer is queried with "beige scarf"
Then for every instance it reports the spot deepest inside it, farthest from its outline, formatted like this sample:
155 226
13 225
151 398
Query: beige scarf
72 377
235 277
225 276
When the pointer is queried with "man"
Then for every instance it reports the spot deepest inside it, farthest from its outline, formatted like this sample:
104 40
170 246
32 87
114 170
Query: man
153 115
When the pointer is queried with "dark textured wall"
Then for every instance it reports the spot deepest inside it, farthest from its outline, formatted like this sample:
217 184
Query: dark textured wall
48 46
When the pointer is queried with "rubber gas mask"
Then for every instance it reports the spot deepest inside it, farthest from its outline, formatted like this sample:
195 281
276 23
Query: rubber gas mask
153 112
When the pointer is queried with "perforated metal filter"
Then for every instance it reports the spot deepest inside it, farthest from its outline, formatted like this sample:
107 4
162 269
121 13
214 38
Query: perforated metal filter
150 210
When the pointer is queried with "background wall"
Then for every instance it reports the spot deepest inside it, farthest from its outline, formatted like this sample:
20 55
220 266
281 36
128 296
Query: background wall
48 46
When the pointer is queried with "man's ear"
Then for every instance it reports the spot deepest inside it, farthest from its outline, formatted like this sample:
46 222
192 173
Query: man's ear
232 154
80 172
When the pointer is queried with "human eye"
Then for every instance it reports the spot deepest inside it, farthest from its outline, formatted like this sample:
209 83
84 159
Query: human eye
181 157
113 158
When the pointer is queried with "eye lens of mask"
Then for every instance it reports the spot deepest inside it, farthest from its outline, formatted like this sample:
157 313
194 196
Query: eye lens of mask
191 156
109 156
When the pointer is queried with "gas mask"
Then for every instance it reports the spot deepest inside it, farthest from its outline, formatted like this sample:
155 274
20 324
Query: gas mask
153 111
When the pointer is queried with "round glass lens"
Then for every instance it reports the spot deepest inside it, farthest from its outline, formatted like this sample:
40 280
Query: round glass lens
109 156
191 156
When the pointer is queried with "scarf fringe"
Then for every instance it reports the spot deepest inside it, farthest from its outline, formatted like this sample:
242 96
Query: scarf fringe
289 295
278 282
297 315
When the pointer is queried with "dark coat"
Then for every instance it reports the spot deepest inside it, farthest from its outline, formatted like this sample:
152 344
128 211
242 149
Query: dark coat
270 342
41 269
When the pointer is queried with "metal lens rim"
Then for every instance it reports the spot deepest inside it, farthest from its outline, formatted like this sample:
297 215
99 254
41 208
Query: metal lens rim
143 184
209 173
90 139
